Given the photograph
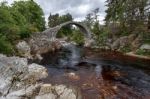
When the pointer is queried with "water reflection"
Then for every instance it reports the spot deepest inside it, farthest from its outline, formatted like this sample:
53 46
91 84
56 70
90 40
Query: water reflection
96 77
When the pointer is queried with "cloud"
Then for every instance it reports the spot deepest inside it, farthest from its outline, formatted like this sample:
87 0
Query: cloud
77 8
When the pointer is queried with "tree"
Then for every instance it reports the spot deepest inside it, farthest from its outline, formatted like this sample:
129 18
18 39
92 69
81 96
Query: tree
130 14
95 12
8 26
56 19
66 30
89 20
32 13
53 20
18 22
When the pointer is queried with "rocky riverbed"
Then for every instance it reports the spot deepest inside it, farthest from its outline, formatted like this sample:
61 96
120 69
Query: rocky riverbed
73 72
20 80
99 74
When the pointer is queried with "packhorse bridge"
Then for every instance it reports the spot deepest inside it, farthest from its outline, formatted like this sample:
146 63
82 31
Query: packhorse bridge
41 42
51 32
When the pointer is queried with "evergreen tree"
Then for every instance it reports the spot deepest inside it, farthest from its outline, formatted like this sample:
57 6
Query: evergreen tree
56 19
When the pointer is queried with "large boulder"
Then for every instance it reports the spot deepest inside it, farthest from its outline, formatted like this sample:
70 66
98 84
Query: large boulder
145 47
120 42
57 92
24 49
19 80
132 41
136 43
36 46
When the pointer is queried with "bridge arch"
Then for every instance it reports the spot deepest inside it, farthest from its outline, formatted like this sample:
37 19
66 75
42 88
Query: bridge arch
82 28
52 32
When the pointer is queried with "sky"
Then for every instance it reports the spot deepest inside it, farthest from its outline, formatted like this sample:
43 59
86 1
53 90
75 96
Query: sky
77 8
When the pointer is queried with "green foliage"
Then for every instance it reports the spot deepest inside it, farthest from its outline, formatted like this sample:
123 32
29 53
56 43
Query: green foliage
143 52
145 37
96 28
64 31
100 34
77 37
32 12
19 21
124 33
101 37
126 49
8 26
131 15
56 19
72 34
5 46
91 19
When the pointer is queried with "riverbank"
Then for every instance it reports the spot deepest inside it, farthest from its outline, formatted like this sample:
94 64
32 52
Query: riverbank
138 56
98 73
20 80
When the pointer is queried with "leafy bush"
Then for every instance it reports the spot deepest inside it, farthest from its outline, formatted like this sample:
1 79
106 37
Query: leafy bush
145 37
19 21
64 31
126 49
101 37
5 46
77 37
143 52
27 30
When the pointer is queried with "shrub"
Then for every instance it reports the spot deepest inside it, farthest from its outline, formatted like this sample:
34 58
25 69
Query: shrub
5 46
77 37
143 52
126 49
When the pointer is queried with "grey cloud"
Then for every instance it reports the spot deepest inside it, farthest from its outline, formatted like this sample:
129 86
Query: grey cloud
78 8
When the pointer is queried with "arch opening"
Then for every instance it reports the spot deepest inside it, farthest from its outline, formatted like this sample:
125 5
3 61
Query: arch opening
74 31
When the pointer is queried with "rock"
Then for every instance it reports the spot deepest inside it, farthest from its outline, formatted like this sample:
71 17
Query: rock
73 76
11 70
132 37
36 72
88 42
19 80
136 43
145 47
46 92
131 40
119 43
24 49
57 92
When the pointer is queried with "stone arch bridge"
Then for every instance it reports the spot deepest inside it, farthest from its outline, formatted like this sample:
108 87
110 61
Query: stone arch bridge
52 32
42 41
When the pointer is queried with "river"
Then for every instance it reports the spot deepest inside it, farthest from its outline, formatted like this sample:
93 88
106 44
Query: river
98 74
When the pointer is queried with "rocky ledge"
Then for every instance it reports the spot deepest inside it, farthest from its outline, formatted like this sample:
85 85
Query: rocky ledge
20 80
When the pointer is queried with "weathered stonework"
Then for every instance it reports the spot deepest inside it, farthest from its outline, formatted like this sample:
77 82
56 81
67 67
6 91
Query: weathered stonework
45 41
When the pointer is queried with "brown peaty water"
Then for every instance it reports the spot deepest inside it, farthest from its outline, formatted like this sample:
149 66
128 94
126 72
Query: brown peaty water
99 74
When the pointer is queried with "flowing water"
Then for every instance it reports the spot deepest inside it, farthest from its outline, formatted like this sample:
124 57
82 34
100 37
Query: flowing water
98 74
